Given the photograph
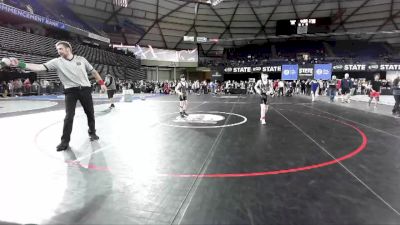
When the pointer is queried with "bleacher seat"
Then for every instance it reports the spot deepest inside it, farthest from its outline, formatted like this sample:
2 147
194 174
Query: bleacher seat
38 49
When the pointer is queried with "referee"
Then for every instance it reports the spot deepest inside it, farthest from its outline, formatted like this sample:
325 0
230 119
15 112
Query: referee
72 71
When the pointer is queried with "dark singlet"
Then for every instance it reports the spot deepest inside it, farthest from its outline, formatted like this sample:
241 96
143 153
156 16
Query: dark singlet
183 88
332 84
376 85
264 87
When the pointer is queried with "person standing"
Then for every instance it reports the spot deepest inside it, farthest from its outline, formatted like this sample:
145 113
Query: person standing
320 87
332 88
263 87
72 71
314 89
303 87
182 89
110 83
212 87
281 86
293 84
345 86
142 90
353 87
375 91
396 94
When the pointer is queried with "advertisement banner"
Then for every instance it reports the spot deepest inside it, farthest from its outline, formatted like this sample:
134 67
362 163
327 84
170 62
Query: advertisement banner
271 69
350 67
290 72
306 72
253 69
31 16
245 69
355 67
322 71
165 55
389 67
49 22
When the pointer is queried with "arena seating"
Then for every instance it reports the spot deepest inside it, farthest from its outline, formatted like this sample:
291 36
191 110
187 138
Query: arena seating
39 49
254 51
320 51
360 49
291 48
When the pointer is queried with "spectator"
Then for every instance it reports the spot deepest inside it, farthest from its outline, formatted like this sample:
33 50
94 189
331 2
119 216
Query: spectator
396 94
27 85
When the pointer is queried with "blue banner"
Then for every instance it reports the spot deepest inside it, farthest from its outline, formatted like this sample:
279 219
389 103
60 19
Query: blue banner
290 72
322 71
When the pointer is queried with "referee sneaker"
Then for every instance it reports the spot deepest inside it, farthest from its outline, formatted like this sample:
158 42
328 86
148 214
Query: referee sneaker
72 71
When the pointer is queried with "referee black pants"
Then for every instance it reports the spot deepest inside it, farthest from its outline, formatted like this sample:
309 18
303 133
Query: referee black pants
72 95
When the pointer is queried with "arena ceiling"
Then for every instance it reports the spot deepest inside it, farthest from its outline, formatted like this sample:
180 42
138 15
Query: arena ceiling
163 23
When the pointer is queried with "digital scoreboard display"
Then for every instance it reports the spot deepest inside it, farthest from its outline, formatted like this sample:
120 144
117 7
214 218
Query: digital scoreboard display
303 26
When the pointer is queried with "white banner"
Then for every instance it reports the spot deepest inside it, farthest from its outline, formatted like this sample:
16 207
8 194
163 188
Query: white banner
150 53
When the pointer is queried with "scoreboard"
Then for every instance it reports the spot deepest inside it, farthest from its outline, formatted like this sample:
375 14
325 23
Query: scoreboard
303 26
